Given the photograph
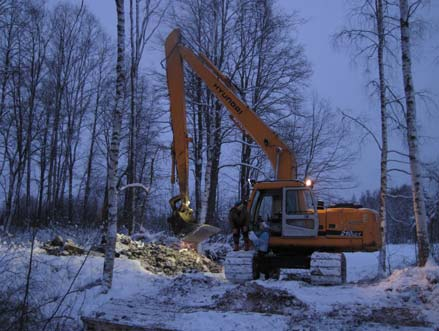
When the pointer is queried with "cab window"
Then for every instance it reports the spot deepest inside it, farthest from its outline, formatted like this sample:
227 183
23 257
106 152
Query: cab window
298 202
268 208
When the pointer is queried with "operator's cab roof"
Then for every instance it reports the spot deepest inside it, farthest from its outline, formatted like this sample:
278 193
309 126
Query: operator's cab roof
276 184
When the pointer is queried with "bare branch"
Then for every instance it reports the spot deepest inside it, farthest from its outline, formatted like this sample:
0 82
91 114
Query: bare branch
370 132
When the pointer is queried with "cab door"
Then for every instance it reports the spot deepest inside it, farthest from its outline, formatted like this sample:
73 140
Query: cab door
299 213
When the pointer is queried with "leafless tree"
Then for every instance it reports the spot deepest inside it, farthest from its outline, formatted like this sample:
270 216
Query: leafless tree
145 16
206 28
406 12
322 140
269 68
250 43
101 81
432 203
53 100
369 35
113 158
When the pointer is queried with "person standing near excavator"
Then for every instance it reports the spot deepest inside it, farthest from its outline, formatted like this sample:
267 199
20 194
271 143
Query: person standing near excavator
239 221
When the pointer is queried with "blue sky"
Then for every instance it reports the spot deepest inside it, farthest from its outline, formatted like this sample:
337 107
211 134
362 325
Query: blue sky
343 81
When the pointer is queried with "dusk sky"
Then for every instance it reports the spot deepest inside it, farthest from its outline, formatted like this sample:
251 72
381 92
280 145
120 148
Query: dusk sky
343 81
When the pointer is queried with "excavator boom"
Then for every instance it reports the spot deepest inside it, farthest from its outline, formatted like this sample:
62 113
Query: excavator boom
281 157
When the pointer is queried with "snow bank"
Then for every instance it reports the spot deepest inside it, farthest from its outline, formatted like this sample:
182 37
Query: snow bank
364 266
200 301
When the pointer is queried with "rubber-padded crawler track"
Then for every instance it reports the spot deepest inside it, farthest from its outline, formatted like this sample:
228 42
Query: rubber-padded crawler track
239 266
328 268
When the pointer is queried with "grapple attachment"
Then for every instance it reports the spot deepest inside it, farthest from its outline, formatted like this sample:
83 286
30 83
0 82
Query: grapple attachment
184 225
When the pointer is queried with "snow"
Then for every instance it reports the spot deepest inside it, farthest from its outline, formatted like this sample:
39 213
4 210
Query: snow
407 300
204 321
364 266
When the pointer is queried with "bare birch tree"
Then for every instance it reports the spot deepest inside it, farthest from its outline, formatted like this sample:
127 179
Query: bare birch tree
420 212
114 149
384 144
369 36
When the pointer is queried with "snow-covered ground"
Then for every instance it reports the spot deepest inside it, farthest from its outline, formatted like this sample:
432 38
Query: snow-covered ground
364 266
407 300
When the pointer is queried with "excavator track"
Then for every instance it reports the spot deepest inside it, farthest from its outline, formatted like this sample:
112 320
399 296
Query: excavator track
239 266
328 268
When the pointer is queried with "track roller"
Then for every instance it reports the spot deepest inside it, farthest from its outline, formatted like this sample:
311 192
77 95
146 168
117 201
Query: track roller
239 266
328 268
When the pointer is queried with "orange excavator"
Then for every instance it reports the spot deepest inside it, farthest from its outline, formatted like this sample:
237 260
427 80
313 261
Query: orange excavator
302 234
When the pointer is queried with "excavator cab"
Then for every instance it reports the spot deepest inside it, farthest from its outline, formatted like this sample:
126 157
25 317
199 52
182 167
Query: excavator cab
287 206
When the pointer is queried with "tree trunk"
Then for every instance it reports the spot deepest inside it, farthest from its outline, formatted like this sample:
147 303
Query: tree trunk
6 70
43 165
384 146
130 195
53 152
9 201
219 35
91 152
114 150
244 173
208 169
412 138
198 146
214 171
29 153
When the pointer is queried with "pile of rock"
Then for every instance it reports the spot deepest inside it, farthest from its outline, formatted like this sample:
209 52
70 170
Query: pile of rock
168 260
157 258
60 247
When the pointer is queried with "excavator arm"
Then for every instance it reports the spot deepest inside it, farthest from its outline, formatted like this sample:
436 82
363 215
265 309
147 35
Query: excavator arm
180 149
280 156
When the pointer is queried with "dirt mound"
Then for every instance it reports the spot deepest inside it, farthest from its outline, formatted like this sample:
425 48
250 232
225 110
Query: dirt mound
157 258
252 297
60 247
217 247
184 285
390 316
171 261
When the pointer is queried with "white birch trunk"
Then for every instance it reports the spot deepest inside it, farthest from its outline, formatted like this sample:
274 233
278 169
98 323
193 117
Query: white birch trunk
412 138
384 144
207 174
131 178
114 151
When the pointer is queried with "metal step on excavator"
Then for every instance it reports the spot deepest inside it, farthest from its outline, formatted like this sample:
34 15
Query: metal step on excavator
301 234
